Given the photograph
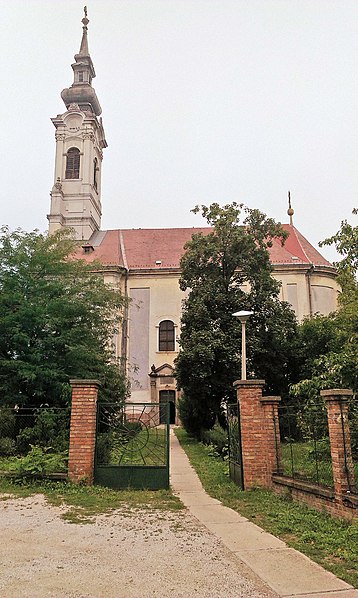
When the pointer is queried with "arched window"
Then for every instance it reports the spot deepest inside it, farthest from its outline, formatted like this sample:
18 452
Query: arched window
166 336
95 170
73 163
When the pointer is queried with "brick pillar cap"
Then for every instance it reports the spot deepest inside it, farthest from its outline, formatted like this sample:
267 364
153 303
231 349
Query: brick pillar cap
336 393
270 400
85 382
249 383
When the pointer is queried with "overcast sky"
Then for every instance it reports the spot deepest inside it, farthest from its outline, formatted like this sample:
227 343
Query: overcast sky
203 100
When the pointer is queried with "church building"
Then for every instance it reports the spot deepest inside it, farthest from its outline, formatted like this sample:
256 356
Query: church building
145 263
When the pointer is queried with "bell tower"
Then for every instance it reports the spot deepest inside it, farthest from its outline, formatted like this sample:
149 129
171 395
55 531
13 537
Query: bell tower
80 140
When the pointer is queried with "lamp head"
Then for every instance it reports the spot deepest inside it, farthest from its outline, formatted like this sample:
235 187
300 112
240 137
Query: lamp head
243 315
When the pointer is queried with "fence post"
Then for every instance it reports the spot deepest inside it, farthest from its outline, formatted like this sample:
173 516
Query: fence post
83 430
257 433
340 440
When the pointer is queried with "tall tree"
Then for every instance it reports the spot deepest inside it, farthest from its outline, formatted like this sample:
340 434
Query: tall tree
328 345
346 244
223 271
56 319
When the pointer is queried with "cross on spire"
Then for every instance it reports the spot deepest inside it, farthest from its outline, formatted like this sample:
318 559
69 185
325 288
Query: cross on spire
84 43
290 210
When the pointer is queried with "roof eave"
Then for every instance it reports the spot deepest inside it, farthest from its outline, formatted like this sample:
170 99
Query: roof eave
294 267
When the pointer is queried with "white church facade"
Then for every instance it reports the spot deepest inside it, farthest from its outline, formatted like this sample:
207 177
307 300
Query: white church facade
145 263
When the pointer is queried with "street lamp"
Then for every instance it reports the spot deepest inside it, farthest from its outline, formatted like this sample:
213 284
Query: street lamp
243 317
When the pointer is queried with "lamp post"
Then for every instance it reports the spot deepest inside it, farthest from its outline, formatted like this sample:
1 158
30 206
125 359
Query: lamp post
243 317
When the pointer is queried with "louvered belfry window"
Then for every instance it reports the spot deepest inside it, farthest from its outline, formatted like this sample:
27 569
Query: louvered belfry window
95 170
166 336
73 163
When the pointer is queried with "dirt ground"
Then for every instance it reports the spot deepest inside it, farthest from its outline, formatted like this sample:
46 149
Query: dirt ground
129 553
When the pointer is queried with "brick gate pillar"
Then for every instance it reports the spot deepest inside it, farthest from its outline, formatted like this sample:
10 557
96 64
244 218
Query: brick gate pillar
340 440
258 429
83 430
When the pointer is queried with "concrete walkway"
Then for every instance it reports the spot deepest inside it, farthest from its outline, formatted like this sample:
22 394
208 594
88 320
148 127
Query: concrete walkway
285 570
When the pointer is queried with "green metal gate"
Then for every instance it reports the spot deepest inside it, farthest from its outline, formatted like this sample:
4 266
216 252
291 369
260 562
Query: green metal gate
235 450
132 446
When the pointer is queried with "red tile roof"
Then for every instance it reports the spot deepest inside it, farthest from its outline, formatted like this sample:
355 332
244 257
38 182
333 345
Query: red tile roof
162 248
145 247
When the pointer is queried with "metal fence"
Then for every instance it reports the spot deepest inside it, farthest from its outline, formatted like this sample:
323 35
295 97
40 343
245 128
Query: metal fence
235 449
352 476
34 439
303 446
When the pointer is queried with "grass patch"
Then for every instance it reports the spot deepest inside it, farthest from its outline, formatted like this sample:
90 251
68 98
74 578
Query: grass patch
147 447
330 542
298 460
85 502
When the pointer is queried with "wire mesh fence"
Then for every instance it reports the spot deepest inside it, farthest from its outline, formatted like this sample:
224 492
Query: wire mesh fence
34 440
352 472
303 446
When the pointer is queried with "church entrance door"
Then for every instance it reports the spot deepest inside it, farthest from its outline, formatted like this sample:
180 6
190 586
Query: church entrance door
167 397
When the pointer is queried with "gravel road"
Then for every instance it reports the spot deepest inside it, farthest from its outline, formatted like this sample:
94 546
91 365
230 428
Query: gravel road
128 553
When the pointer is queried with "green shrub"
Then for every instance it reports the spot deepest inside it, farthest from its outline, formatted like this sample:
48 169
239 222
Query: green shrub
194 416
7 447
51 427
7 422
104 445
218 438
39 462
24 439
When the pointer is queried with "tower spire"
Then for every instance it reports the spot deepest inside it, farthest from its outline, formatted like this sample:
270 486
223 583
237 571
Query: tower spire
84 42
290 210
80 141
81 91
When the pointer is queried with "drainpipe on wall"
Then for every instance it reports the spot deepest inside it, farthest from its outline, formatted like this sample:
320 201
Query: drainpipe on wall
124 343
308 278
